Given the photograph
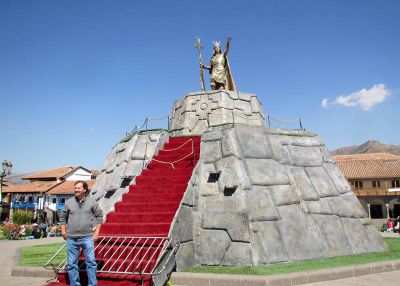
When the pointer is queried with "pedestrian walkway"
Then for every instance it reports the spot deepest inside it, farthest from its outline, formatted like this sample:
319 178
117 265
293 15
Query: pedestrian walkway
382 279
8 250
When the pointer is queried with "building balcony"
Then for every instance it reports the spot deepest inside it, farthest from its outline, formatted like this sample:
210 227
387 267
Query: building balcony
365 192
19 205
59 206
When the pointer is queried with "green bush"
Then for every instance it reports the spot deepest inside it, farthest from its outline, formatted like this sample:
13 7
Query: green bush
21 217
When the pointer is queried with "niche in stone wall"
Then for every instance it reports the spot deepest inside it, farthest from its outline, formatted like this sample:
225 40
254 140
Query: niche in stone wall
213 177
228 192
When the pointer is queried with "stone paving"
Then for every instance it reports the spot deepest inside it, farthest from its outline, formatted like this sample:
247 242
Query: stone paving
8 249
381 279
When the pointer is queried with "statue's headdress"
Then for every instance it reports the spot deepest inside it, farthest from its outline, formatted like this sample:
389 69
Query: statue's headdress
217 45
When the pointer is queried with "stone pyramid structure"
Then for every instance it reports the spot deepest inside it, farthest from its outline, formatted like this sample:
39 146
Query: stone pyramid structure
257 195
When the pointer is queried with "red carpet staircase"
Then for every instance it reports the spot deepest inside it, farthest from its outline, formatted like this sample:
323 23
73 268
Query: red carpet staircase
135 235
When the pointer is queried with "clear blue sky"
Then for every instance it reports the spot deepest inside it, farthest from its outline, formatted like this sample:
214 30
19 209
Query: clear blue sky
76 75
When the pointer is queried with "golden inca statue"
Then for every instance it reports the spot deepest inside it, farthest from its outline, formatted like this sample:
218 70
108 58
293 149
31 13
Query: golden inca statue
220 73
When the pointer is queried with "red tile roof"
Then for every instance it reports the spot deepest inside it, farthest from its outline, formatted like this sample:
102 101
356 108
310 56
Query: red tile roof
34 187
373 165
66 188
368 156
53 173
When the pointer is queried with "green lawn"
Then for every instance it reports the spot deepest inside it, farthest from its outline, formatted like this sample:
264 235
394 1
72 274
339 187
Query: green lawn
39 255
392 253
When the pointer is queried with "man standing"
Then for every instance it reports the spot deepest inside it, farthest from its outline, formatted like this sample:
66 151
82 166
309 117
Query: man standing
80 220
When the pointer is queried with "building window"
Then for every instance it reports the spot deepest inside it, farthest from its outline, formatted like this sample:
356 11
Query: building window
358 184
62 201
54 200
376 184
395 183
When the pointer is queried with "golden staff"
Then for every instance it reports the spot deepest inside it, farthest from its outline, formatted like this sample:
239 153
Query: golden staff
199 47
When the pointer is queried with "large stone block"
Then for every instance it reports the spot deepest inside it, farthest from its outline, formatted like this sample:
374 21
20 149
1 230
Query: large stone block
261 206
279 152
326 155
238 253
230 145
347 205
133 168
266 172
321 182
244 106
284 194
337 177
190 197
224 203
304 141
221 116
185 224
233 173
255 105
235 223
321 206
140 149
246 96
210 151
185 256
332 233
211 246
207 188
305 156
303 184
360 237
226 102
268 246
254 142
214 135
298 234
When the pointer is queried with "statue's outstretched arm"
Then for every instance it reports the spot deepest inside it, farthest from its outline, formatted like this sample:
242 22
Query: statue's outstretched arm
206 67
227 46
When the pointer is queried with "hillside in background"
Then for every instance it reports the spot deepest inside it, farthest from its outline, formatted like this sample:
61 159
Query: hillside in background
371 146
16 178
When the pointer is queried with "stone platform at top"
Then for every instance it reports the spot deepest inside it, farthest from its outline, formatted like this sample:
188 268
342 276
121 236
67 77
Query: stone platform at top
197 111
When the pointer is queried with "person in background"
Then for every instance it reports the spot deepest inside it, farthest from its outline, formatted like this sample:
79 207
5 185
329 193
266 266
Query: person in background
36 232
389 225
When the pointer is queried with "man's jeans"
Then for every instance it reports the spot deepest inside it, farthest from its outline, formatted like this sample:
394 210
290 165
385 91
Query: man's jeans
73 246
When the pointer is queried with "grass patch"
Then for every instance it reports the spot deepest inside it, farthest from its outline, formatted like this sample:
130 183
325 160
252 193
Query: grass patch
40 254
307 265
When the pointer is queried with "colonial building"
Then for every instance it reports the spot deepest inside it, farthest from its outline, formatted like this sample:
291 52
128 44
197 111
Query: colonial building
375 179
48 190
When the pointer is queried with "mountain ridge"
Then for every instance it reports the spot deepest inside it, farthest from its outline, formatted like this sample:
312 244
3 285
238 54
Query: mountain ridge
371 146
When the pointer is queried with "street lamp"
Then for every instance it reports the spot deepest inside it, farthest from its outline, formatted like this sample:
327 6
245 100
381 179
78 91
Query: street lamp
6 171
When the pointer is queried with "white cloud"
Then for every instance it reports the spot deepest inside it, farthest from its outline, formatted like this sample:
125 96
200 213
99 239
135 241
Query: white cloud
364 98
325 103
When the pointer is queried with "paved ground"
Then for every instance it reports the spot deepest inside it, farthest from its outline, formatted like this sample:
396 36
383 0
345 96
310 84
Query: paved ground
379 279
8 250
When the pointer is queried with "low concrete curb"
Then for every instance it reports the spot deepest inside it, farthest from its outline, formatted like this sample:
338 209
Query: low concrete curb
24 271
31 272
201 279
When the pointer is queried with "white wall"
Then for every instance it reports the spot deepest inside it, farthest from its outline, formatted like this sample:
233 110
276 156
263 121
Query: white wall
79 175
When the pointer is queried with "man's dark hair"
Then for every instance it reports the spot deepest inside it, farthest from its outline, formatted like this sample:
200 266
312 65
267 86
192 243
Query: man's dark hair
84 185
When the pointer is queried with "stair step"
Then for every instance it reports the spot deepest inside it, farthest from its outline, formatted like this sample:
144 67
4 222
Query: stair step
147 210
140 217
144 207
151 197
132 229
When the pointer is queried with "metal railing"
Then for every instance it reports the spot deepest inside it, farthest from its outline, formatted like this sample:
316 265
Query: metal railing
269 117
144 126
127 255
